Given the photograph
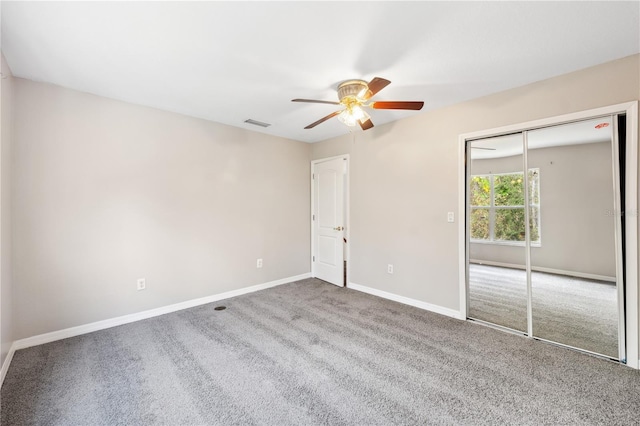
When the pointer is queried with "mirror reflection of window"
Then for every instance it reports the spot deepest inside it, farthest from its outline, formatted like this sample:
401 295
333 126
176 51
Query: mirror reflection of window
497 207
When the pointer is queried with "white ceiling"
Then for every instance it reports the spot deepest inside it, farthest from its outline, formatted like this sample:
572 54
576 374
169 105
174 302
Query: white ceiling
231 61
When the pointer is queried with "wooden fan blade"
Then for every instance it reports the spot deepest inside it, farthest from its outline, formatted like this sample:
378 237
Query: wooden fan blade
322 120
366 125
397 105
376 85
314 101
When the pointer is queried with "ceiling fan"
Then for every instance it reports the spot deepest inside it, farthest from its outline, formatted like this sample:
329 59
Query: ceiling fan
353 95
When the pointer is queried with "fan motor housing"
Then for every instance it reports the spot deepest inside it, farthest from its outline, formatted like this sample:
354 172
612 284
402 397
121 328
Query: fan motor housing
351 89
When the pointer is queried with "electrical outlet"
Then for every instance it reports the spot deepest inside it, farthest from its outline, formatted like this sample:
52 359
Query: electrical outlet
389 269
141 284
450 217
259 263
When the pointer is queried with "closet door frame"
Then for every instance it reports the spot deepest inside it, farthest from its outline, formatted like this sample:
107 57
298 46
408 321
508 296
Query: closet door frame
630 109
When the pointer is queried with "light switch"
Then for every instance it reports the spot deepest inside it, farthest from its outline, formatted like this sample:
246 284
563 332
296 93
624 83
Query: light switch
450 217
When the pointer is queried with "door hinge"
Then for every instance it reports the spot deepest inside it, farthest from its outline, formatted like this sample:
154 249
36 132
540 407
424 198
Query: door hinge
313 176
314 258
313 217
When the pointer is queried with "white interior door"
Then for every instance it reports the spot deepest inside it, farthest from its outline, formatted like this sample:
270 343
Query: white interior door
328 220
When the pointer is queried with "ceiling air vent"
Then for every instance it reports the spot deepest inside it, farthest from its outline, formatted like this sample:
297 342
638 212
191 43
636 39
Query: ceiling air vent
257 123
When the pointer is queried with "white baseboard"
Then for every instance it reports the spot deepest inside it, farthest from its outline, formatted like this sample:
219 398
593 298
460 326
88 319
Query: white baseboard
126 319
408 301
6 363
547 270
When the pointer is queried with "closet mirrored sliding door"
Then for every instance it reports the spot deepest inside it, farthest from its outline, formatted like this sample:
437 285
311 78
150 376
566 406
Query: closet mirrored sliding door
497 257
544 234
574 265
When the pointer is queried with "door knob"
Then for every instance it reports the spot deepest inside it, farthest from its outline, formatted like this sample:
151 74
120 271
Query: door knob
339 228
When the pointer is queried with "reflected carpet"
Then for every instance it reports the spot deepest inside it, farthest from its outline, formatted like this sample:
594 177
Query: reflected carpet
574 311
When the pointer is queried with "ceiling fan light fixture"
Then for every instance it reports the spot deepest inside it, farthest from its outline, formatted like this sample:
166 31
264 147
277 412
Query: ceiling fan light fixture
352 89
353 95
352 115
347 118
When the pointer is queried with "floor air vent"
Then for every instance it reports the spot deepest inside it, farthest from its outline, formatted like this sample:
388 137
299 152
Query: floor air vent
219 308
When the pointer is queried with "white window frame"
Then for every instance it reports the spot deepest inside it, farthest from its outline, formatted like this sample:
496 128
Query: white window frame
492 211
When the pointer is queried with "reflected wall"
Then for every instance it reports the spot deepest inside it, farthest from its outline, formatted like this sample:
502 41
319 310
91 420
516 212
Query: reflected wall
555 279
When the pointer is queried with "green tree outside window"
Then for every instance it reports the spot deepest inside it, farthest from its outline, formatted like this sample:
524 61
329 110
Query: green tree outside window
497 207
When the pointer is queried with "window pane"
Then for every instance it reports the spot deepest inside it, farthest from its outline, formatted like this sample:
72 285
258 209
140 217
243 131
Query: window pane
534 187
480 191
509 225
534 219
508 190
479 224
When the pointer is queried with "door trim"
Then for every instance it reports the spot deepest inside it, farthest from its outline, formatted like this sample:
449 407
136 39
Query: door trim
631 206
347 212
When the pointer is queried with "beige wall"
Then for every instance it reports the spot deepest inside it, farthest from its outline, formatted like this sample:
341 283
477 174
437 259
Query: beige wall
576 221
6 300
108 192
404 177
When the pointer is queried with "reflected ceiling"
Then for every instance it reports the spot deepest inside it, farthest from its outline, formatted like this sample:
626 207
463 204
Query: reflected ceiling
582 132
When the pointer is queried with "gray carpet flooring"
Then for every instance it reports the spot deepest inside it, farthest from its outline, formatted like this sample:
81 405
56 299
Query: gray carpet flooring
576 312
310 353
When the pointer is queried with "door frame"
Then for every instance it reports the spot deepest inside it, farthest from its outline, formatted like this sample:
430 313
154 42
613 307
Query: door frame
347 212
631 206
